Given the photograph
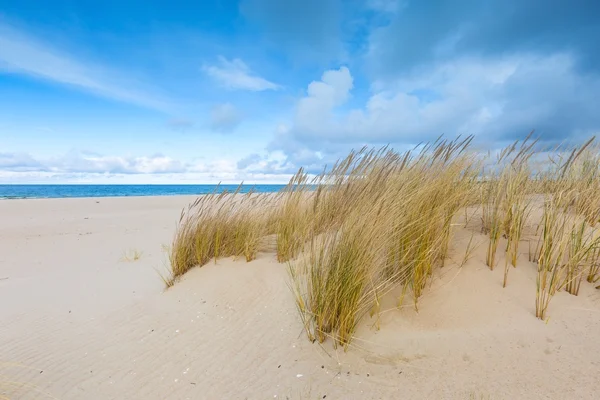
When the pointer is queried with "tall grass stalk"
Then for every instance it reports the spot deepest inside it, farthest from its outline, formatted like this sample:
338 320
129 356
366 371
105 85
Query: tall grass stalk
492 218
553 248
520 207
593 274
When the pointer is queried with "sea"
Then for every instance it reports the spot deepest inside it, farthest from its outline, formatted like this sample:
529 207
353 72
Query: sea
64 191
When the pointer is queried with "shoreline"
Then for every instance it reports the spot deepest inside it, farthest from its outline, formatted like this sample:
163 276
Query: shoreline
107 197
118 197
53 191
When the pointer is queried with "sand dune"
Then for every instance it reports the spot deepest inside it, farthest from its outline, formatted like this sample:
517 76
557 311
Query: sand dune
78 321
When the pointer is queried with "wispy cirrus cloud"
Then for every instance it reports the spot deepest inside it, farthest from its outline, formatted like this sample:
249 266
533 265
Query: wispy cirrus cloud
21 53
236 75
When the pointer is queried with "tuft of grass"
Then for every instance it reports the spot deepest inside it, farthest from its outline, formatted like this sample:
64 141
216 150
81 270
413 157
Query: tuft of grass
564 248
392 229
168 280
131 255
221 224
504 200
566 243
292 220
552 251
519 207
492 219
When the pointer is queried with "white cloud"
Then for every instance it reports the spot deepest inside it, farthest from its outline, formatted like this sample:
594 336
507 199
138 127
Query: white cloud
249 160
323 96
18 162
88 162
236 75
23 54
273 163
129 165
44 177
224 117
89 167
495 99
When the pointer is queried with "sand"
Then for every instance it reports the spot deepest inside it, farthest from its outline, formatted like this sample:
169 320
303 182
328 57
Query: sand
77 321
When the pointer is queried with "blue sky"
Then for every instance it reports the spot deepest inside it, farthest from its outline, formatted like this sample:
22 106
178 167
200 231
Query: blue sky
208 91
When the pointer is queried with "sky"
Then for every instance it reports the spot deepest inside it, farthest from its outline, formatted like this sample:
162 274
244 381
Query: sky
228 91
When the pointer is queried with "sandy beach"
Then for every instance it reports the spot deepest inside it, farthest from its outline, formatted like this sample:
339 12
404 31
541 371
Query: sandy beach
299 200
82 319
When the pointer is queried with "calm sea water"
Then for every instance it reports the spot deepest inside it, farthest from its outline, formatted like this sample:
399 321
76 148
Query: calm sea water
60 191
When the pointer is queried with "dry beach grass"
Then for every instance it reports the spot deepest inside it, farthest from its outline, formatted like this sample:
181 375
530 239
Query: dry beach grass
378 221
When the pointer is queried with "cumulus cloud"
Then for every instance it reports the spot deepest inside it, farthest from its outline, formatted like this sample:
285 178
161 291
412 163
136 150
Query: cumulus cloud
322 98
236 75
495 99
224 118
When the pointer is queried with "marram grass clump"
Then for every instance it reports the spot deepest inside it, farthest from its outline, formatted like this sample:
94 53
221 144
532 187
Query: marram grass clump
220 225
392 231
379 220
